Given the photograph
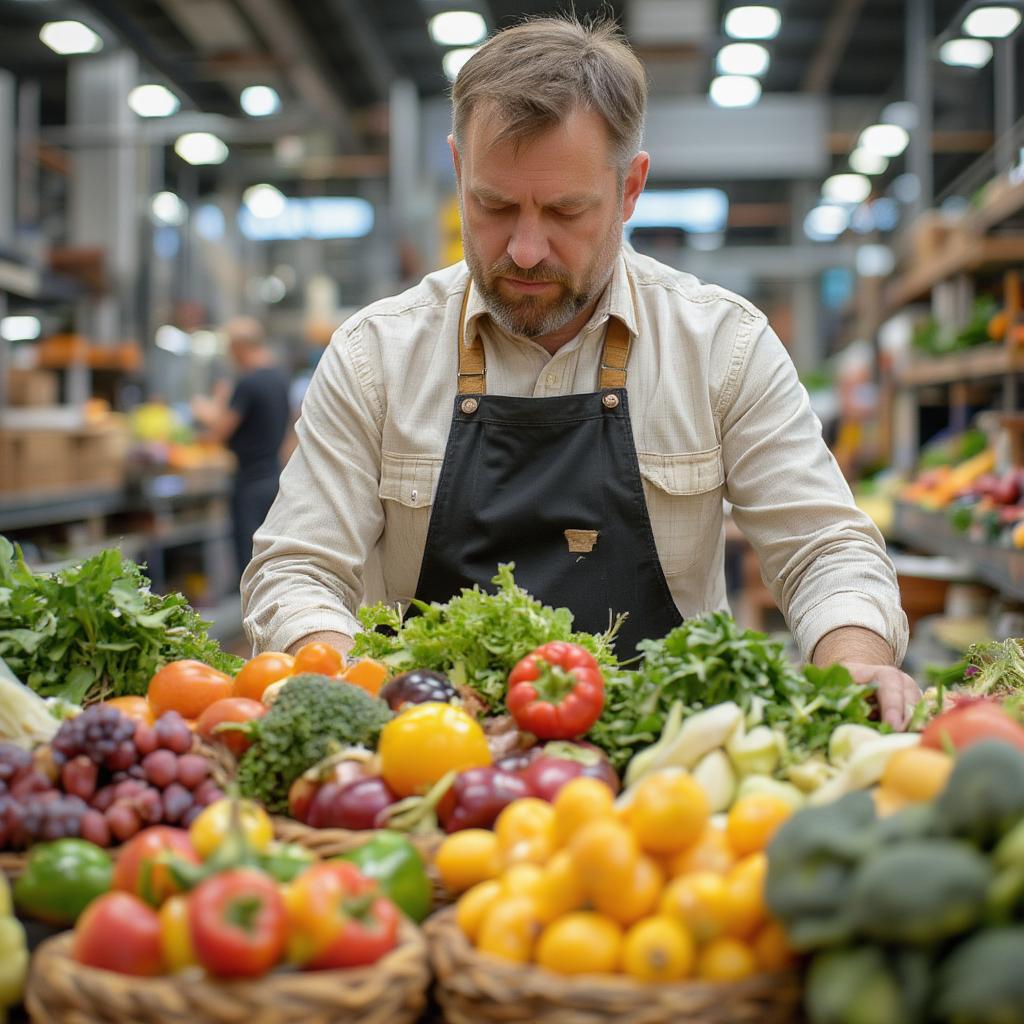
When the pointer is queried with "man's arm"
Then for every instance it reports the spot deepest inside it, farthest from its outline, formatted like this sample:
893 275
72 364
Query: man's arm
870 661
822 558
306 574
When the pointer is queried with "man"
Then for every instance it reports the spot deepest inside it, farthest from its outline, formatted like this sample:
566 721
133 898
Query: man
253 423
564 403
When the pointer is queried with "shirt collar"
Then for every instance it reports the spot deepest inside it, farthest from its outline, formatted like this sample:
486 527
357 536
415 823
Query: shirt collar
617 301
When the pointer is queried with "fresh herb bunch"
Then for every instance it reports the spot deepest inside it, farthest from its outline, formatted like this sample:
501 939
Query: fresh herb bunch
312 717
476 638
95 630
709 660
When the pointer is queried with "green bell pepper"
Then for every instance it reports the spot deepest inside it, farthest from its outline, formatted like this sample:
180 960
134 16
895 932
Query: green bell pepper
399 870
61 879
284 862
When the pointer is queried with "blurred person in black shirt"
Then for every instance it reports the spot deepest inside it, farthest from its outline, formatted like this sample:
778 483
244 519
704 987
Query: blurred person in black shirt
253 421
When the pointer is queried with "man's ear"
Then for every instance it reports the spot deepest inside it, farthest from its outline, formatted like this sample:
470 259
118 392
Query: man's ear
636 178
456 162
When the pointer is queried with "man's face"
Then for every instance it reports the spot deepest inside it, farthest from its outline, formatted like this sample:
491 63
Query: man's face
542 224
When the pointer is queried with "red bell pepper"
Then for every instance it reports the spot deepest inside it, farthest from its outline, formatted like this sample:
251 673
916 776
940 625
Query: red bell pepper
556 692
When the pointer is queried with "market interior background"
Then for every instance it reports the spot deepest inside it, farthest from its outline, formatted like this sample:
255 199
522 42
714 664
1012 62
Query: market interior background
852 166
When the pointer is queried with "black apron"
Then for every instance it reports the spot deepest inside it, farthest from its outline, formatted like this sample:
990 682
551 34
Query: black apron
552 484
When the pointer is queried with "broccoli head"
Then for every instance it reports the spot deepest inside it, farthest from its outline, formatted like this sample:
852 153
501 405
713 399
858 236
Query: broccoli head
312 717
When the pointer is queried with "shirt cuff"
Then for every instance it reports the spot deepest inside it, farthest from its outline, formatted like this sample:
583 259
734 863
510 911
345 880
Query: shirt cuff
852 609
304 623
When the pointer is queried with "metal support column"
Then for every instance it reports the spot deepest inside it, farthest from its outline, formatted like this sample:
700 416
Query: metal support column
27 218
806 347
7 150
920 32
104 188
1005 81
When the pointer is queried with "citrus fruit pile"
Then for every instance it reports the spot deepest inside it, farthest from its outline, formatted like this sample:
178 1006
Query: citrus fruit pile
650 887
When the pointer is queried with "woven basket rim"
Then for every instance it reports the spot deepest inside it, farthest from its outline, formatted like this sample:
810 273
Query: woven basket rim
441 929
59 946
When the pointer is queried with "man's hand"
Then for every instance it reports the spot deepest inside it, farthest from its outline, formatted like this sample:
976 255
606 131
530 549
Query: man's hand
339 641
869 660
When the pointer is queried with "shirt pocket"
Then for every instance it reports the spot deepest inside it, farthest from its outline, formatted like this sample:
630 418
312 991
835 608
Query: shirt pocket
410 480
684 502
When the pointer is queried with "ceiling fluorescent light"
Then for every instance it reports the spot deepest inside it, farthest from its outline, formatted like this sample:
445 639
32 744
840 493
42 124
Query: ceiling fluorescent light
826 222
153 101
864 162
20 328
846 188
886 140
167 208
457 28
734 91
260 100
742 59
754 22
68 37
992 22
264 201
966 53
201 148
454 61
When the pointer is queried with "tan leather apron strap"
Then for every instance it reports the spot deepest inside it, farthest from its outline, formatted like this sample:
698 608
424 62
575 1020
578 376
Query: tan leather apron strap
472 367
614 355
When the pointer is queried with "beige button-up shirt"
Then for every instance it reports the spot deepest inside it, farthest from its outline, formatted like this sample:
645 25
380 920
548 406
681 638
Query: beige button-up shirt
717 413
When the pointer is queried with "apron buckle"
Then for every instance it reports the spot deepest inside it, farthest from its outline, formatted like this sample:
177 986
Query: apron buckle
610 401
469 406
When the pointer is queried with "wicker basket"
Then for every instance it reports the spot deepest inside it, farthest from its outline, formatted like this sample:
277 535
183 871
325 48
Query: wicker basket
332 842
474 988
392 991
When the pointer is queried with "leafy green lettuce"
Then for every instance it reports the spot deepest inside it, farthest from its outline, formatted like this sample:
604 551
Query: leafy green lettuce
95 630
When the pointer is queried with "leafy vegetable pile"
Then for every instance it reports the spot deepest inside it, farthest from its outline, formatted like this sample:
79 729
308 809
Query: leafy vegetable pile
709 660
312 717
476 637
95 630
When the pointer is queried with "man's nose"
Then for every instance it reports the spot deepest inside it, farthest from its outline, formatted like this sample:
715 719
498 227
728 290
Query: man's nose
528 244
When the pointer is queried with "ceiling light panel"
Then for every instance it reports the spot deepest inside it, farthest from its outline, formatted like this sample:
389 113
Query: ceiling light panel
753 22
742 59
455 60
864 162
260 100
70 37
457 28
992 22
846 188
734 91
888 140
201 148
153 100
966 53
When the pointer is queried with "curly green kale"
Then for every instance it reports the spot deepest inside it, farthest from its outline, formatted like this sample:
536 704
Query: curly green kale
312 717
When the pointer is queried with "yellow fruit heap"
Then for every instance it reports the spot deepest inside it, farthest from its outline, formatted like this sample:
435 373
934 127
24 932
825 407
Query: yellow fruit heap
651 888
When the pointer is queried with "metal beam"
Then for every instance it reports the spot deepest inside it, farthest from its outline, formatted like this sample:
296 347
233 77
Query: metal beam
837 34
941 142
919 91
298 54
374 58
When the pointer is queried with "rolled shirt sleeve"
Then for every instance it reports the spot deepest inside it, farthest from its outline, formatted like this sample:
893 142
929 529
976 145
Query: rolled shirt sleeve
309 557
822 558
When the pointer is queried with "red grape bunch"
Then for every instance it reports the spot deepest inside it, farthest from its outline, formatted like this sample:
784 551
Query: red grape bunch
107 778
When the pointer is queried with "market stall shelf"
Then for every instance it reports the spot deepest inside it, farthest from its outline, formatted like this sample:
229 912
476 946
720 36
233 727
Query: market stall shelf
391 991
474 988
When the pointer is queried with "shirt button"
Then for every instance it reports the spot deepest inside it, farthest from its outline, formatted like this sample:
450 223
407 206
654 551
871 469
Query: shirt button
550 379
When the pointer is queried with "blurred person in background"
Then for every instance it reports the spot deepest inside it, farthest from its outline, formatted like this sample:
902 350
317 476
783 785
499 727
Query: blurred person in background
561 402
252 418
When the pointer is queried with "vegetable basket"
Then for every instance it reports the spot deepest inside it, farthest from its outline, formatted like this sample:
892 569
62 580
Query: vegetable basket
392 991
332 842
473 988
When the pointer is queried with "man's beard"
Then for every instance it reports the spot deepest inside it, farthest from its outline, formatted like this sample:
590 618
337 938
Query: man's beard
533 316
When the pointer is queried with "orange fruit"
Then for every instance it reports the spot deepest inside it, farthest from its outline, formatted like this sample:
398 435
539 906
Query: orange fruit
320 658
668 813
367 674
525 831
658 949
605 853
188 687
473 906
701 902
559 890
135 708
580 943
754 820
259 672
711 852
578 802
634 900
746 895
508 929
726 960
772 949
467 858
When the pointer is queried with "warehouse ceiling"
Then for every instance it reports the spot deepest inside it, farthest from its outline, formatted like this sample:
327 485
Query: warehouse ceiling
333 62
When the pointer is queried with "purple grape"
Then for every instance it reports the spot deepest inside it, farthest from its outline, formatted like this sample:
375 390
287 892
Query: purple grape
177 801
145 739
149 806
95 828
192 770
123 821
104 797
13 761
122 757
173 734
30 782
161 768
78 777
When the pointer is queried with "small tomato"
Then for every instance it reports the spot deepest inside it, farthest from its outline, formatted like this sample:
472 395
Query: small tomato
118 932
230 710
258 673
141 868
212 826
